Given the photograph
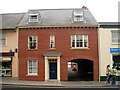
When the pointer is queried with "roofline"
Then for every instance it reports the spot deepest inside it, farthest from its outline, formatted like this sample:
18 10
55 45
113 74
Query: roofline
109 23
8 29
11 13
56 9
69 26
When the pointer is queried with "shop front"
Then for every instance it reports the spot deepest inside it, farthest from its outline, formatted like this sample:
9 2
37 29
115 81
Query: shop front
116 57
6 64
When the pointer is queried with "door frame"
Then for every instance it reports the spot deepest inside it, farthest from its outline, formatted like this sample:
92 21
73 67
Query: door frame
47 68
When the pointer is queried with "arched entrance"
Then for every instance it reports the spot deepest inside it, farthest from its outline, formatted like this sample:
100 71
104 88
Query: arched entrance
80 70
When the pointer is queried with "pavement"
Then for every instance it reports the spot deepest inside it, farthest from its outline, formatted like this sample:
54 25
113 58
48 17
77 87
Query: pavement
69 84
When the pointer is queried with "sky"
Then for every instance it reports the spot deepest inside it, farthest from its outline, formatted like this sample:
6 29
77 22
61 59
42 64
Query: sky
102 10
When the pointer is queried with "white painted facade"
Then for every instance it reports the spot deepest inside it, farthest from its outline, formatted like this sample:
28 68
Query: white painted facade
105 43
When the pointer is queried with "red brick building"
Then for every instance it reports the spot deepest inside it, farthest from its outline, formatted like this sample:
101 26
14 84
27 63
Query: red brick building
49 39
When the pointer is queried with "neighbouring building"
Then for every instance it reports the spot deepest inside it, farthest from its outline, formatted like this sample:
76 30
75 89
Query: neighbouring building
9 44
51 38
109 47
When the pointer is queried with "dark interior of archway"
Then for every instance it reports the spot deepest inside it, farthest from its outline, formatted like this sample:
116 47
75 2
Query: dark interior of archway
84 71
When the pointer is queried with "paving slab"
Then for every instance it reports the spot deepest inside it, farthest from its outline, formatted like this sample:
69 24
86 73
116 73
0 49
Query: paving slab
15 81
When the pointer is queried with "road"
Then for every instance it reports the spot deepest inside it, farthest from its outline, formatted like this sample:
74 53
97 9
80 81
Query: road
28 87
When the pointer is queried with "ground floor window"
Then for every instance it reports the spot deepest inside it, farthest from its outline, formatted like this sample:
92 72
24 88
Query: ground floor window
116 60
32 67
6 68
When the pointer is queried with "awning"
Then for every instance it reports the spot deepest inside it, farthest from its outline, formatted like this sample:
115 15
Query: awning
7 54
4 59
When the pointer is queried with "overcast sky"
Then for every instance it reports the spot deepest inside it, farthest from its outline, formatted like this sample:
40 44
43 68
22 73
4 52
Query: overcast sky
102 10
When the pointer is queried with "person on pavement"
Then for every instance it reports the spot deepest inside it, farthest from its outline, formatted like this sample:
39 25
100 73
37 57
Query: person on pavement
108 73
113 73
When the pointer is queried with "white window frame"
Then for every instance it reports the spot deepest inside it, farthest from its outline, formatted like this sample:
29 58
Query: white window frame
83 41
33 67
30 17
52 43
33 41
117 38
78 16
3 39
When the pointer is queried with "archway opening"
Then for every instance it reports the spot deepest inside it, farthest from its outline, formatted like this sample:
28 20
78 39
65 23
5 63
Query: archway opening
80 70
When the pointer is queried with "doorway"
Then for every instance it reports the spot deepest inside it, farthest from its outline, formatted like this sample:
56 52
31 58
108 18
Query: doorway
52 68
81 70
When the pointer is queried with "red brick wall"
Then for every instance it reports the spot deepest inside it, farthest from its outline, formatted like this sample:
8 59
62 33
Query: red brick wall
62 44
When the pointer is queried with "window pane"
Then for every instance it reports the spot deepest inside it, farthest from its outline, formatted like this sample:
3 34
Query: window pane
52 38
85 38
30 63
34 63
78 44
81 38
73 38
3 42
30 70
3 35
85 44
35 38
30 38
34 70
2 38
77 38
73 44
81 44
52 46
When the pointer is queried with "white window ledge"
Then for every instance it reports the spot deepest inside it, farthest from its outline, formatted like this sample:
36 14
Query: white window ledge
31 75
52 48
86 48
32 49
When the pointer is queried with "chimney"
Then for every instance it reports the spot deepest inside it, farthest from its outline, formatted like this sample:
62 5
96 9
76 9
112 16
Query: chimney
84 7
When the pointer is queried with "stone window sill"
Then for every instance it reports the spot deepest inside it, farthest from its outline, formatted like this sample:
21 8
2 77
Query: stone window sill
83 48
52 48
31 75
31 49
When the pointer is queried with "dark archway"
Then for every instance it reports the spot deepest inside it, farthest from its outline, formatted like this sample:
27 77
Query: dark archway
83 72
